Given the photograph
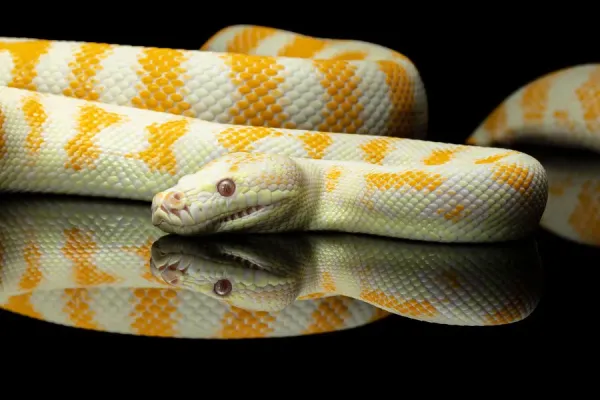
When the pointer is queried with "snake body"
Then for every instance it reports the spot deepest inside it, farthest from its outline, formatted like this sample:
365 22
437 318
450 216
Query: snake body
558 113
168 126
205 135
100 264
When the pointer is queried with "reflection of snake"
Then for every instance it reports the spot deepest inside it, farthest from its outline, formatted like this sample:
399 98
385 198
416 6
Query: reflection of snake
127 136
458 285
86 263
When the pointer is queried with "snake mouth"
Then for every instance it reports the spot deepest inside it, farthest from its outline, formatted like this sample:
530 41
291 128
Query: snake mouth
242 214
244 262
165 220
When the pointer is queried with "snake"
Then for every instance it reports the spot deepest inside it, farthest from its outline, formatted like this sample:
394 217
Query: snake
267 131
258 131
99 264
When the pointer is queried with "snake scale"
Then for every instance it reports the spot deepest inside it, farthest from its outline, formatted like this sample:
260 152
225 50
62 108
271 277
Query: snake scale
265 130
100 264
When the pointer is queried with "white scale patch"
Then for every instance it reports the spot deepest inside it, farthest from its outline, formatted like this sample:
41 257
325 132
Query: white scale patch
563 97
347 148
303 94
283 144
345 192
6 66
209 88
334 49
60 119
197 147
403 153
200 315
273 44
51 305
13 268
359 313
53 71
118 77
112 308
375 97
16 39
296 317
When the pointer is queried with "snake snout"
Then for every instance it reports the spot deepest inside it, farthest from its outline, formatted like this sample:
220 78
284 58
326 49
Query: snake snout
173 201
170 204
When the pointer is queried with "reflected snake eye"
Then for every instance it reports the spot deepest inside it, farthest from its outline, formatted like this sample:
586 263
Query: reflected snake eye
223 287
226 187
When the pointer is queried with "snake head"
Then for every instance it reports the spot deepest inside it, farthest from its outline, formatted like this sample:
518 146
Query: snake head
236 273
236 192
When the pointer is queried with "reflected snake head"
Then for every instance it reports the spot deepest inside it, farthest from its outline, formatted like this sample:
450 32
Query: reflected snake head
229 271
236 192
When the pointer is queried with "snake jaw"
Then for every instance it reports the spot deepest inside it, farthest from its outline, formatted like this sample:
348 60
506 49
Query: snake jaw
241 214
240 218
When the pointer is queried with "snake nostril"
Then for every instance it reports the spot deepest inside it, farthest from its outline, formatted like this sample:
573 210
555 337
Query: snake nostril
173 201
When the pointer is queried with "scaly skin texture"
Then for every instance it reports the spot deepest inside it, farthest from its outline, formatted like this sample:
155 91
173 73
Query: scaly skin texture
129 122
560 110
85 263
463 200
100 264
455 285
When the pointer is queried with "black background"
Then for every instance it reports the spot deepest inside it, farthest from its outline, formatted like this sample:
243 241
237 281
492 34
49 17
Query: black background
470 60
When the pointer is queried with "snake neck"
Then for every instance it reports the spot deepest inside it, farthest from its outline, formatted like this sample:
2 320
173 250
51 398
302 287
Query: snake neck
337 197
331 199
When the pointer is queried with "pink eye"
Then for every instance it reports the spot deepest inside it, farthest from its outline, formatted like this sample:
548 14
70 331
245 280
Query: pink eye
226 187
222 287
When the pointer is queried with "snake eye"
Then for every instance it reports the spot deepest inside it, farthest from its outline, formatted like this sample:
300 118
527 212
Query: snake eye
226 187
222 287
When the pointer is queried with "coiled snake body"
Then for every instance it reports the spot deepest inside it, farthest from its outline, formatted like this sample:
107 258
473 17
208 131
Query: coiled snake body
100 264
266 130
298 134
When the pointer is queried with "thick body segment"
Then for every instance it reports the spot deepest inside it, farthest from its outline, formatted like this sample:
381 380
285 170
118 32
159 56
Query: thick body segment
130 122
369 92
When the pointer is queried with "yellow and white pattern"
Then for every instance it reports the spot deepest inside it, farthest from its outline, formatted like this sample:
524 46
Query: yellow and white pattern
347 118
560 110
100 264
129 122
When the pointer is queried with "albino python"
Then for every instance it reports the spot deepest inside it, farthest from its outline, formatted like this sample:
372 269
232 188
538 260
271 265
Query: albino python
343 125
295 134
100 264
